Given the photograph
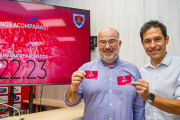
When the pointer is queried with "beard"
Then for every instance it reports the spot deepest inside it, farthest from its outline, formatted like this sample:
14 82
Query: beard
109 59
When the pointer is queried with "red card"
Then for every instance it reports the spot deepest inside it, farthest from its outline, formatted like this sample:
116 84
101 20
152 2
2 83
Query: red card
124 80
91 74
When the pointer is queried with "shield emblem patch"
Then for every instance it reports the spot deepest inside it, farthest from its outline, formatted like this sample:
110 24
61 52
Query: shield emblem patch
79 20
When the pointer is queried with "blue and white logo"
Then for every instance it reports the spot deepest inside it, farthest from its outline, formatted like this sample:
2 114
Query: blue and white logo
18 98
79 20
3 90
3 108
17 89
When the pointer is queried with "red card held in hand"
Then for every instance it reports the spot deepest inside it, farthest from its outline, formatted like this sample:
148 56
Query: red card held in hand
91 74
124 80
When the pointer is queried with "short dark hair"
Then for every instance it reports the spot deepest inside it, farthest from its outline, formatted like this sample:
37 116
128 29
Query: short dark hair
150 24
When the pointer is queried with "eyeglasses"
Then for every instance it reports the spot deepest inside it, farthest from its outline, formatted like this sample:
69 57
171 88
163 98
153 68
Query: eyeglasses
111 42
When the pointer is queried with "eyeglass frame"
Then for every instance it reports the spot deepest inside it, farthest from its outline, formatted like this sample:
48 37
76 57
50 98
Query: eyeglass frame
107 42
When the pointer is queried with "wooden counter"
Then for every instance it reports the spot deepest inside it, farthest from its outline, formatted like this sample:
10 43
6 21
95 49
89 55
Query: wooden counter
58 114
48 102
64 113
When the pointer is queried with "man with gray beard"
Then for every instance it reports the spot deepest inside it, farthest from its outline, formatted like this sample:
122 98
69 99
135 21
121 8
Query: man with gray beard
104 84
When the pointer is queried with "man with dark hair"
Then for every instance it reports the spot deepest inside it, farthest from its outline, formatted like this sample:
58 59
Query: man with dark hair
160 83
99 83
150 24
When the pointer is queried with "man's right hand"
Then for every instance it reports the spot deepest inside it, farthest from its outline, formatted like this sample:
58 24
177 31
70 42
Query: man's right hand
72 94
76 79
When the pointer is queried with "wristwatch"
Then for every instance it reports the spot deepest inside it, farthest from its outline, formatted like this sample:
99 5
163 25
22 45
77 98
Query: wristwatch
150 98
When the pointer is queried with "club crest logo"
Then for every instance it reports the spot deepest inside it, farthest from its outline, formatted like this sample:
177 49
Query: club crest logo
91 75
79 20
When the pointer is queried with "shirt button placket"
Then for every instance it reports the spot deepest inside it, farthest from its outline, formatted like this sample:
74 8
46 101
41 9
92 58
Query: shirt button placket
153 90
110 95
154 78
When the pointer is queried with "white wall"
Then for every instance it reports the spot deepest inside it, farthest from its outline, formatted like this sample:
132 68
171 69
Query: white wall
127 16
